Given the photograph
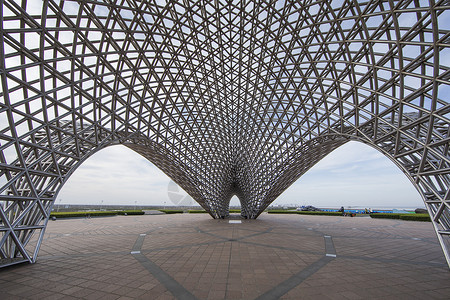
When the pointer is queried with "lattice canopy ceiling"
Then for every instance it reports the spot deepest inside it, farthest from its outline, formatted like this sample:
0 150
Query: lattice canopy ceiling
226 97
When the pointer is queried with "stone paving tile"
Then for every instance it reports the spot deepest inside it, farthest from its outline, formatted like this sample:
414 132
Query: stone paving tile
213 259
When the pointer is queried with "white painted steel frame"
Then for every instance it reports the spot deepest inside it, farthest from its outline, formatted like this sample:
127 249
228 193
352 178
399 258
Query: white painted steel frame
226 97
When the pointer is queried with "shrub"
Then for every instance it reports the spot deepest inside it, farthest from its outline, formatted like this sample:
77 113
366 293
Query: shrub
408 217
385 216
317 213
197 211
416 217
235 211
171 211
421 211
322 213
130 212
81 214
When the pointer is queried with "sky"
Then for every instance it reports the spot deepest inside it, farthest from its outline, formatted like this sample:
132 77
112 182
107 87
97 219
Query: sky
354 175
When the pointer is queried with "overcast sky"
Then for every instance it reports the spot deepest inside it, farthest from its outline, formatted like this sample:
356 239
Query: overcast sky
353 175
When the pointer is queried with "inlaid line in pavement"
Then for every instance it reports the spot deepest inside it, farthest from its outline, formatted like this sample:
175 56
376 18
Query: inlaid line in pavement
237 239
395 261
298 278
138 244
329 246
295 280
177 290
280 247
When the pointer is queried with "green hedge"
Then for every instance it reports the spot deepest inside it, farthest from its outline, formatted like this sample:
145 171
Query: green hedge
416 217
130 212
235 211
171 211
385 216
83 214
80 214
408 217
322 213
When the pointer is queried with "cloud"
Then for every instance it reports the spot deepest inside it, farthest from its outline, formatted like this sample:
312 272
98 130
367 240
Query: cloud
116 175
351 154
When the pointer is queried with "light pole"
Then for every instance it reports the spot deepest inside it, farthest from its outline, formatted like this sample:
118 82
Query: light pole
135 204
101 204
59 204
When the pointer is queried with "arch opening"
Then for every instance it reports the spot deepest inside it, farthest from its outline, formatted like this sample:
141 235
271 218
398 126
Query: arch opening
235 203
353 175
116 175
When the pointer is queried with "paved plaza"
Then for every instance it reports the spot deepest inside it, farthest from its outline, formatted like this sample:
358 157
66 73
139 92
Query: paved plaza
192 256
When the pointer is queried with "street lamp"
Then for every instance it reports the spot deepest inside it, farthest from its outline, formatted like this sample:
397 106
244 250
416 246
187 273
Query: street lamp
59 204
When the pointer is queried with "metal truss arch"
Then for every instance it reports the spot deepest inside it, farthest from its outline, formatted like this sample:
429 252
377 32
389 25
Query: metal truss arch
226 97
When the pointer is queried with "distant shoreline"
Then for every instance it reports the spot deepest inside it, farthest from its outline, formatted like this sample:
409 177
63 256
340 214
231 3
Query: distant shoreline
65 206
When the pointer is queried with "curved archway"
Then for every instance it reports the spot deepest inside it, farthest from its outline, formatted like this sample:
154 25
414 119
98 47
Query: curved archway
115 175
354 175
227 99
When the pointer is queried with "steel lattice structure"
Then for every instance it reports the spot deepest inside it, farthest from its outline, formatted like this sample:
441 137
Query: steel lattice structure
226 97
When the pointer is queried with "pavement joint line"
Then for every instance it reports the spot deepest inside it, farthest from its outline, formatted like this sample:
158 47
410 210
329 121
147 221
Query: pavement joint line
50 257
237 239
224 239
229 261
394 261
183 246
296 279
138 244
227 240
343 236
280 247
330 250
173 286
268 230
211 234
292 282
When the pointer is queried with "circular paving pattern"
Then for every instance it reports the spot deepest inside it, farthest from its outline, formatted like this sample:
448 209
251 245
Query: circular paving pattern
195 257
